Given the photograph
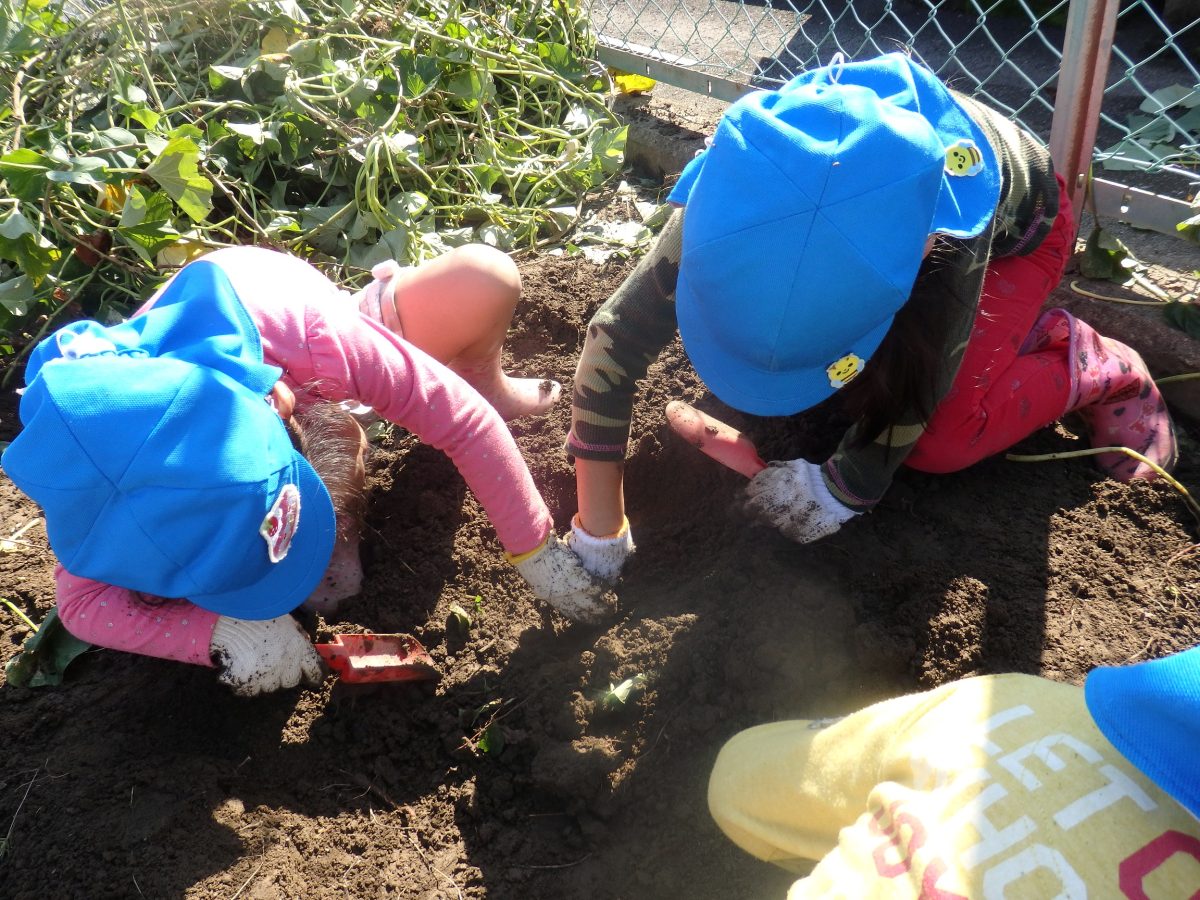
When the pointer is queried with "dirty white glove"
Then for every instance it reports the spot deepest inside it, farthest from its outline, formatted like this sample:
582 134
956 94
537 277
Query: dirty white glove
791 495
257 657
555 574
604 556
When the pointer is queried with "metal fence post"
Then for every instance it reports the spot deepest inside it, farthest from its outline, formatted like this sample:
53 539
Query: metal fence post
1087 48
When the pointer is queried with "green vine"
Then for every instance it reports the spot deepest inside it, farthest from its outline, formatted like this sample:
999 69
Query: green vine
142 134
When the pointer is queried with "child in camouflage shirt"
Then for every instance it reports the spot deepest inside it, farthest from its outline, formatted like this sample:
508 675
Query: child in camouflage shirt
864 231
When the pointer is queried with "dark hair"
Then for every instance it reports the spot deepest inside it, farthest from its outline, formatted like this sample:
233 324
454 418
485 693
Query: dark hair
901 375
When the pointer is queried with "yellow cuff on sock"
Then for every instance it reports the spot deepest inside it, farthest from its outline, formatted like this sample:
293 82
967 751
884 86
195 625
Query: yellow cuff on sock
515 558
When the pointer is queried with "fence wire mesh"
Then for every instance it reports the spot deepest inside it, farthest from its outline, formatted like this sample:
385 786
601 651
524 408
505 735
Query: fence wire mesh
1007 52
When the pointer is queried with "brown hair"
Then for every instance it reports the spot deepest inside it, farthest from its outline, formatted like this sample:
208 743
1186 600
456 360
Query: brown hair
329 438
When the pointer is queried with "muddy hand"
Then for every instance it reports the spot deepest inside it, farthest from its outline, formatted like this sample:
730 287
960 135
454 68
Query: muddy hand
791 496
603 556
713 437
555 574
257 657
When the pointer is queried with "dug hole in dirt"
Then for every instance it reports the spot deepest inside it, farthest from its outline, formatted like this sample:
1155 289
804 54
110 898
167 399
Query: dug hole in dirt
519 774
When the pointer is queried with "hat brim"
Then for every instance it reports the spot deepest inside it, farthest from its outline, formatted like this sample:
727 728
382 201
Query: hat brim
753 390
291 580
1151 713
682 191
967 205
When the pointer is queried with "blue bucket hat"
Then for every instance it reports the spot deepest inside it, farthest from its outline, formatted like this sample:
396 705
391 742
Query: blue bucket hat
806 222
159 464
1151 713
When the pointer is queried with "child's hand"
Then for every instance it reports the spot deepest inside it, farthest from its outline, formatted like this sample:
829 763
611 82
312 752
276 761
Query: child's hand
555 574
603 556
791 495
257 657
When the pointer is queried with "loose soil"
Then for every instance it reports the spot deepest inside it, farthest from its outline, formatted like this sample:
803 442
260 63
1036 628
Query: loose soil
143 778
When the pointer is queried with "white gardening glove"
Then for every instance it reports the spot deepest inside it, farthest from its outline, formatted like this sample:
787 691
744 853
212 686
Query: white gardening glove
555 574
257 657
604 556
791 495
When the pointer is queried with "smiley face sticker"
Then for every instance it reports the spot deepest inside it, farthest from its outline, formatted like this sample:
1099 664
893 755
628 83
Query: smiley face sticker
963 158
842 371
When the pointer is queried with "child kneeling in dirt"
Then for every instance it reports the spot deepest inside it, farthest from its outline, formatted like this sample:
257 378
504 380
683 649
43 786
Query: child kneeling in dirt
996 786
201 478
861 231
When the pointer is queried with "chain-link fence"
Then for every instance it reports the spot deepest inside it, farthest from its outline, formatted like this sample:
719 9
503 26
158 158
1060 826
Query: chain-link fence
1009 53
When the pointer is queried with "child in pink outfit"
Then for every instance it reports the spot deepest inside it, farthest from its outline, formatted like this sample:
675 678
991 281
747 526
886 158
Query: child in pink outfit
321 350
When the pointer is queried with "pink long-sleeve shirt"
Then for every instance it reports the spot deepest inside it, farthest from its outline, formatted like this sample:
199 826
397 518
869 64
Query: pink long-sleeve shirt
328 351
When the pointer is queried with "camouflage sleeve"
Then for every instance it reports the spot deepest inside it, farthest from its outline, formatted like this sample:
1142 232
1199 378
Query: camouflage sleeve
624 337
859 476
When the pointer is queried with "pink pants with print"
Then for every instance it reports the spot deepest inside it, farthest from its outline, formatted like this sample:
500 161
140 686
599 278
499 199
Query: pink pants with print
1000 394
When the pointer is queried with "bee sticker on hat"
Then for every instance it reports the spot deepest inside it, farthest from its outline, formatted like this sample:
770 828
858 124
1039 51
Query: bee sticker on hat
279 526
841 372
963 158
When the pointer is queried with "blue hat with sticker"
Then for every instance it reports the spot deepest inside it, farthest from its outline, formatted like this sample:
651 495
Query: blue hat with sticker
1151 713
159 463
806 221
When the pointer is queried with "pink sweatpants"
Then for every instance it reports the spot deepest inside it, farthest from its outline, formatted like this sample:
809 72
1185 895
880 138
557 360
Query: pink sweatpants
1001 395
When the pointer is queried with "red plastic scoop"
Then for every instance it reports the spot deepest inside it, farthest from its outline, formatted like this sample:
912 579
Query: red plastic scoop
713 437
365 658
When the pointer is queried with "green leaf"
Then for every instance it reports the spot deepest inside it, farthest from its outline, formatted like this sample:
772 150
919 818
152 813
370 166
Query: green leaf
23 244
608 144
471 87
16 293
1185 316
492 740
25 172
45 655
80 171
144 116
219 76
291 10
118 147
1190 228
304 52
145 223
144 205
392 244
176 170
562 61
251 131
1165 98
1105 257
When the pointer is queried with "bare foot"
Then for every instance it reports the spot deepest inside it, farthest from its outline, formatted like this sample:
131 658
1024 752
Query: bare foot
511 397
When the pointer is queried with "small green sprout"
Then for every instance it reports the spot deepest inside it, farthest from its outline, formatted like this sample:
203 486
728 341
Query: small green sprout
492 740
458 619
617 694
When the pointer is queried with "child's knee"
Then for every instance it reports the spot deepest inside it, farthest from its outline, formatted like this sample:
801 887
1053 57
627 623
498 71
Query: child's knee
488 269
